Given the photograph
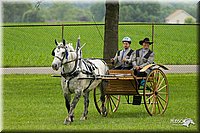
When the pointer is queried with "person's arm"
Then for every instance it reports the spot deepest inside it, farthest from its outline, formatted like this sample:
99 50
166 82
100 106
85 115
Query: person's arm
129 60
150 60
133 59
115 59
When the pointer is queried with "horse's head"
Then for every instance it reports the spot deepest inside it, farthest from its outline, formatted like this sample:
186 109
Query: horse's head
61 54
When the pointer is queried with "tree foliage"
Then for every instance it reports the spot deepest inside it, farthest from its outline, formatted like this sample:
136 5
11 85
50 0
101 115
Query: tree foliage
98 11
189 20
65 11
13 12
140 12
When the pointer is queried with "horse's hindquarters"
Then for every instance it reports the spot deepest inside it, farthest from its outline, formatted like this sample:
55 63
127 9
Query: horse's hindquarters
101 66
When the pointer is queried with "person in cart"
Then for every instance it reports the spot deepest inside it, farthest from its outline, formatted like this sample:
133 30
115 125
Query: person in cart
142 57
122 59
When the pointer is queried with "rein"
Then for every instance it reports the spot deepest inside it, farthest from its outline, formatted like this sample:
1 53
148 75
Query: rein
70 61
66 61
71 73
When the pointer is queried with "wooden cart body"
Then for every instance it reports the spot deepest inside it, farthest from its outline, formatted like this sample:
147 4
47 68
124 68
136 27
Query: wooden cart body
155 91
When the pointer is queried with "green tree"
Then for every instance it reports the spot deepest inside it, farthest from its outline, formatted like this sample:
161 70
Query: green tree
32 16
140 12
65 12
189 20
13 12
98 11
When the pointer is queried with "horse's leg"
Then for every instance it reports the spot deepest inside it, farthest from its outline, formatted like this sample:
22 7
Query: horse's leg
69 119
86 104
102 84
67 95
67 101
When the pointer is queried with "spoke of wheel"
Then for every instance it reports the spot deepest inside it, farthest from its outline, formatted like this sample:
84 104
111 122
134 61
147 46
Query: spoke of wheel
157 76
160 103
158 80
162 98
111 105
149 98
115 98
165 93
153 106
150 88
162 88
152 83
153 77
107 103
160 83
113 102
150 102
99 100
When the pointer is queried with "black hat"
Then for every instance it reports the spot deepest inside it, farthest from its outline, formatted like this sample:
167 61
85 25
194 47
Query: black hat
145 40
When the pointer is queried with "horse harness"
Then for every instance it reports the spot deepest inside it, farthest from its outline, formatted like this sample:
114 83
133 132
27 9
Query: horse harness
89 70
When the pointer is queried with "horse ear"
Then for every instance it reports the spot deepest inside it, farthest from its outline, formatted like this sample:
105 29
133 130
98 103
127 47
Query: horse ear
64 42
53 52
56 42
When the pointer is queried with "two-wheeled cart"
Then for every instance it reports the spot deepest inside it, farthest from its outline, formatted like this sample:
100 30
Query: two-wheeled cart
154 90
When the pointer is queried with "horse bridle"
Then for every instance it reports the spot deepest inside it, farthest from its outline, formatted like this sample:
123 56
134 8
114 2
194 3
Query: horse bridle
64 57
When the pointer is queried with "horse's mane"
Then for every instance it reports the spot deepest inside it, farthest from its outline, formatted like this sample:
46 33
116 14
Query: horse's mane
70 47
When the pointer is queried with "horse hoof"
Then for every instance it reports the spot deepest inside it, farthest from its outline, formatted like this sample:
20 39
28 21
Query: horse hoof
67 122
72 118
104 112
83 118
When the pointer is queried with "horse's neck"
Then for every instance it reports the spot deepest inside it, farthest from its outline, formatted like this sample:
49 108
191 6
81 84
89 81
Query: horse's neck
68 67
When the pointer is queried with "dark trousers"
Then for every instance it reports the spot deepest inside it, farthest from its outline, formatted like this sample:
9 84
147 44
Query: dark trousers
123 68
140 74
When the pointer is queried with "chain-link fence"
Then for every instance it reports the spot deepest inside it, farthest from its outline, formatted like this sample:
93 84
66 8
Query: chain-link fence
31 45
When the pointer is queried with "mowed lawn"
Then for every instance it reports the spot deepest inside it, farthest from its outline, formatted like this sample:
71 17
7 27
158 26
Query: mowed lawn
32 46
35 102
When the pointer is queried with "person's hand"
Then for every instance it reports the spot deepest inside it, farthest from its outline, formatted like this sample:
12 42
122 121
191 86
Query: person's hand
112 59
137 67
124 60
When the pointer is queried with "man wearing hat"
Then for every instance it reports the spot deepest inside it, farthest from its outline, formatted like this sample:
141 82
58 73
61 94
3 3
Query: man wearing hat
142 57
122 59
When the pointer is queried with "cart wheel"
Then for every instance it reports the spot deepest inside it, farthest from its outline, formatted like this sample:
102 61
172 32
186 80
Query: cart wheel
111 101
156 92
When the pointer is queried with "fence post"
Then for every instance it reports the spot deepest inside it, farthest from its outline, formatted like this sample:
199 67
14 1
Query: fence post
152 34
62 31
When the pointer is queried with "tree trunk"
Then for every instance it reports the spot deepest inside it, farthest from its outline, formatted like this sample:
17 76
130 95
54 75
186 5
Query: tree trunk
111 29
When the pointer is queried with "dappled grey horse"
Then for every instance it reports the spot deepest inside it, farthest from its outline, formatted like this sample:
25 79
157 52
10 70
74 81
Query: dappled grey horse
77 76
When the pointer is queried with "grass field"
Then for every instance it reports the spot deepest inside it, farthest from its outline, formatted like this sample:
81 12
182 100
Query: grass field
32 46
35 102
